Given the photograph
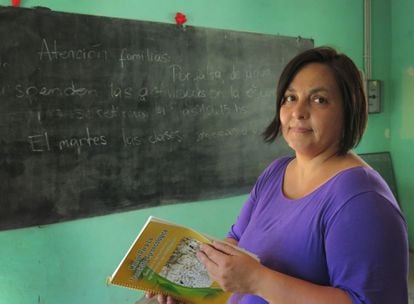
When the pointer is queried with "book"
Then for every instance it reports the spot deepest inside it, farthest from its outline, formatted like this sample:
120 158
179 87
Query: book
162 260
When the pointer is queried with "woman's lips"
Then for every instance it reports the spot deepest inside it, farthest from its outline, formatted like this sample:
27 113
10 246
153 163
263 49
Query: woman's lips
300 129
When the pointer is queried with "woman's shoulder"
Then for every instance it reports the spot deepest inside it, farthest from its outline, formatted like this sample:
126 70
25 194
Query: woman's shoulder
356 182
361 192
360 178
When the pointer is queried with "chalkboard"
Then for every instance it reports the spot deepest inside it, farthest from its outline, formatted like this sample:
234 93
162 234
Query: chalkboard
382 162
100 115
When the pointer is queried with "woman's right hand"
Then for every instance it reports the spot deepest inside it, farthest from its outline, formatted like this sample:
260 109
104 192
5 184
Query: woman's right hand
161 298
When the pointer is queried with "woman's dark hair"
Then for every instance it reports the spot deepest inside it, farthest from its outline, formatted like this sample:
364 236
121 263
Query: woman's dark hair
349 83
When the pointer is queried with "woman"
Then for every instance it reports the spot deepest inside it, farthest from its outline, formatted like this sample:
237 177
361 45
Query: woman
325 225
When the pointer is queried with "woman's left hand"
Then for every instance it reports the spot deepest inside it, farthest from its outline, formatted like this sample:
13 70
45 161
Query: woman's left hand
234 270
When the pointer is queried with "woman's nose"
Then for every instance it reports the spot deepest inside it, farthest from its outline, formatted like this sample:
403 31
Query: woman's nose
301 110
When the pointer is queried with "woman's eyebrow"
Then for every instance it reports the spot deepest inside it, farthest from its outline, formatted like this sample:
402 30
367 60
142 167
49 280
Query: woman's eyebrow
312 91
319 89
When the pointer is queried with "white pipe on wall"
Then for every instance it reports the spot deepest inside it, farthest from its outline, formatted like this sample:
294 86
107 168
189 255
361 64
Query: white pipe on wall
367 39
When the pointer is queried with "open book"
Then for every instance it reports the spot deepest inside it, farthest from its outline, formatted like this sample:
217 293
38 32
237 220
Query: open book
163 260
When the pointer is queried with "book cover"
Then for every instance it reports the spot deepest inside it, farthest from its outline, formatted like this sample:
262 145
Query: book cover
163 260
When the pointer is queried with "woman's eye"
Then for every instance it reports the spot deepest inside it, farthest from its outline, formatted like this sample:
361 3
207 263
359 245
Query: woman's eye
288 98
320 99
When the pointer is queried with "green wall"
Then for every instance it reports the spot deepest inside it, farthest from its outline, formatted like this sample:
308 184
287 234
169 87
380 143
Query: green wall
402 104
68 263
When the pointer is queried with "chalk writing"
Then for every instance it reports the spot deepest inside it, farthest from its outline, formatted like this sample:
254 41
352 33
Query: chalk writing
146 55
178 74
141 94
77 143
234 92
255 92
165 136
103 113
216 110
257 73
31 91
130 140
235 73
221 134
39 142
115 112
249 73
52 52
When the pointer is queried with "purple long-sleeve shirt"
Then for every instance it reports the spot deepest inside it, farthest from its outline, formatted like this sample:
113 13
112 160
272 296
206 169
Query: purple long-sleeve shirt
349 233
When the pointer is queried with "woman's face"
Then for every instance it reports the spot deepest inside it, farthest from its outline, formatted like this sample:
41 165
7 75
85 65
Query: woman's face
311 113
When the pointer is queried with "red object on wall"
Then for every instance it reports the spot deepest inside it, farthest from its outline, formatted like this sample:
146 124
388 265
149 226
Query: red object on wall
16 3
180 18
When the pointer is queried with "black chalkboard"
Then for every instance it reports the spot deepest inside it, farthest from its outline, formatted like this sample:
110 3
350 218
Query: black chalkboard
100 115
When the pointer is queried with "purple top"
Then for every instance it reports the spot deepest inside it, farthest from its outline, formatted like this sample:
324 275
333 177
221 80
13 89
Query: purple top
349 233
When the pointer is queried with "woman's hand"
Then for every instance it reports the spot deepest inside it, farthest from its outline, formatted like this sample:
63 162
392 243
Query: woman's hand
234 270
161 298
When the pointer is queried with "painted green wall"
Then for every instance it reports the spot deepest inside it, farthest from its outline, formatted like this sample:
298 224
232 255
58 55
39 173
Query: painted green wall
402 104
68 263
379 124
